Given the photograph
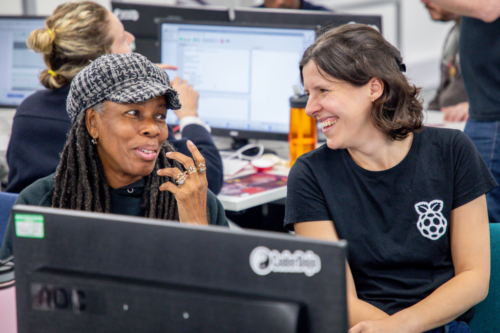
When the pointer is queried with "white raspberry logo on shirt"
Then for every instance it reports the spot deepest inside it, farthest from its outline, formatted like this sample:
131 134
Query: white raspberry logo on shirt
431 222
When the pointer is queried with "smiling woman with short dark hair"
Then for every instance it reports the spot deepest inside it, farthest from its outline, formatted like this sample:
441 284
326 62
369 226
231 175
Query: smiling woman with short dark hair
410 200
116 158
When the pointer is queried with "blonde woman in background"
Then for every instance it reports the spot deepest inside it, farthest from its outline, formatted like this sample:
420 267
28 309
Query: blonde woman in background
76 34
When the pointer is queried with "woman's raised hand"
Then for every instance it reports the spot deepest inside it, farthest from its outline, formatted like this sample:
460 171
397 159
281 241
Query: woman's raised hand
191 189
188 98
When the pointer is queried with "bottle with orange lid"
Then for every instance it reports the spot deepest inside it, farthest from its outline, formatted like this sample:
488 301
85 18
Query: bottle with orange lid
302 136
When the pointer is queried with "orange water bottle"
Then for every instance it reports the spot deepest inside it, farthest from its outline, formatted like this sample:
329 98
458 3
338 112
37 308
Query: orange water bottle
302 136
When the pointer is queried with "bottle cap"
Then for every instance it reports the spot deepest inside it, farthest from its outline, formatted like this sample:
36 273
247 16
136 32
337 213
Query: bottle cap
299 101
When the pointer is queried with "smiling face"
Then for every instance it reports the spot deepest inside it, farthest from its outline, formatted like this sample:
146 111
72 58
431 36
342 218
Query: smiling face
129 137
121 38
342 109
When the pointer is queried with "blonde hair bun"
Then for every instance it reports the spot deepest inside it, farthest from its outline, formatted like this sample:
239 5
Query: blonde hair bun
40 40
76 33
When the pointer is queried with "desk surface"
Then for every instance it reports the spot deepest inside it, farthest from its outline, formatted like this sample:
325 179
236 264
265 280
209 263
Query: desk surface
234 203
436 119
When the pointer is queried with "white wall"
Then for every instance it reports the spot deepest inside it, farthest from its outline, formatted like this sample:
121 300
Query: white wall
11 7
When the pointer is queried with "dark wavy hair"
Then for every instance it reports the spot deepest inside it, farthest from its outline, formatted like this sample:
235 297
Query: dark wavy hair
355 53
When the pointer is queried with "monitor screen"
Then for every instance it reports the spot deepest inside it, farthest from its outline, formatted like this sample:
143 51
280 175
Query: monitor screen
245 75
19 66
141 21
92 272
304 17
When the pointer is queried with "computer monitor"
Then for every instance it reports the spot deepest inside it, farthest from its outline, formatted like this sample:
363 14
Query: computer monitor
141 21
303 17
93 272
245 73
19 66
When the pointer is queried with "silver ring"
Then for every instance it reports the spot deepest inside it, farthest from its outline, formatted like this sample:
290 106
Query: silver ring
202 167
181 178
181 181
191 169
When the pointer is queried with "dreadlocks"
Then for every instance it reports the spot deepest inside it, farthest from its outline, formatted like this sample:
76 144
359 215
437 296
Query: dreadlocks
80 182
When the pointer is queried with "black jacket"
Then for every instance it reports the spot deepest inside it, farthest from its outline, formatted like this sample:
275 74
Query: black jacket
39 134
40 194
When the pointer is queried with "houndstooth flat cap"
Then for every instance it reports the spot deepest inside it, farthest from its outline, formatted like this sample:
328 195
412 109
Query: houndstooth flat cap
120 78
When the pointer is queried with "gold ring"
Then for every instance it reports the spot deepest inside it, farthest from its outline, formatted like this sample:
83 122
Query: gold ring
191 169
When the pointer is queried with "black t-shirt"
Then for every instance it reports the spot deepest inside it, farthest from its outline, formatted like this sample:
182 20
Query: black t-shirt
396 221
480 64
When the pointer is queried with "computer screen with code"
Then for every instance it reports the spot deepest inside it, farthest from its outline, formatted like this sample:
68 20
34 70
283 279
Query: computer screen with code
245 75
19 66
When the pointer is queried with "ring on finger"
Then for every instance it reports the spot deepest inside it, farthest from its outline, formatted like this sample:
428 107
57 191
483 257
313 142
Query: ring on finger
201 168
191 169
181 178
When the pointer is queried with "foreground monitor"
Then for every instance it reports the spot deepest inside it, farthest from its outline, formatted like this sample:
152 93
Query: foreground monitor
245 74
141 21
90 272
19 66
303 17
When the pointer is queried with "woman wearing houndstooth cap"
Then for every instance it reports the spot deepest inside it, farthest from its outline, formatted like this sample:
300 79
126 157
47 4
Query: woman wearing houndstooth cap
116 158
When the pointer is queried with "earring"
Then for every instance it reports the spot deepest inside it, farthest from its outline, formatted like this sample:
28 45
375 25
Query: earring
94 141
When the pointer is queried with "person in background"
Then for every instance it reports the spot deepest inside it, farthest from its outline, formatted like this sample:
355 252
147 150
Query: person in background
76 34
480 65
451 97
116 158
409 200
292 4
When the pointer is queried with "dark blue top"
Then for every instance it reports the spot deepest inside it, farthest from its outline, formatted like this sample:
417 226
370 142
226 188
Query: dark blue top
38 137
39 134
304 5
480 64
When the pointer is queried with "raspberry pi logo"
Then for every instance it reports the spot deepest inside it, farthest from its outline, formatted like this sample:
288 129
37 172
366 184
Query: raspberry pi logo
431 222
